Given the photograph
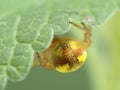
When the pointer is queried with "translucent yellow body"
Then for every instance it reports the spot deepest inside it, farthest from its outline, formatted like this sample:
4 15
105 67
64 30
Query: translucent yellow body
73 54
65 54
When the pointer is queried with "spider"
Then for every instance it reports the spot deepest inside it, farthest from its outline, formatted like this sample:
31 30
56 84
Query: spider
65 54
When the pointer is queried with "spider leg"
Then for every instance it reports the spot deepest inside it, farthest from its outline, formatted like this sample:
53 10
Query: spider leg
44 63
87 36
35 63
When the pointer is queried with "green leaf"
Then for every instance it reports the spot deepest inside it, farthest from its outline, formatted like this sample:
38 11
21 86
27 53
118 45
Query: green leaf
27 26
3 79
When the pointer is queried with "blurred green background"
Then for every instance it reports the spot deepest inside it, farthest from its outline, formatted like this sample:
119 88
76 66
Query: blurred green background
101 70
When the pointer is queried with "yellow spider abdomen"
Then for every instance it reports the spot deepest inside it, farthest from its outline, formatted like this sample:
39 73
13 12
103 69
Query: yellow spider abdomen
83 57
69 56
64 68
